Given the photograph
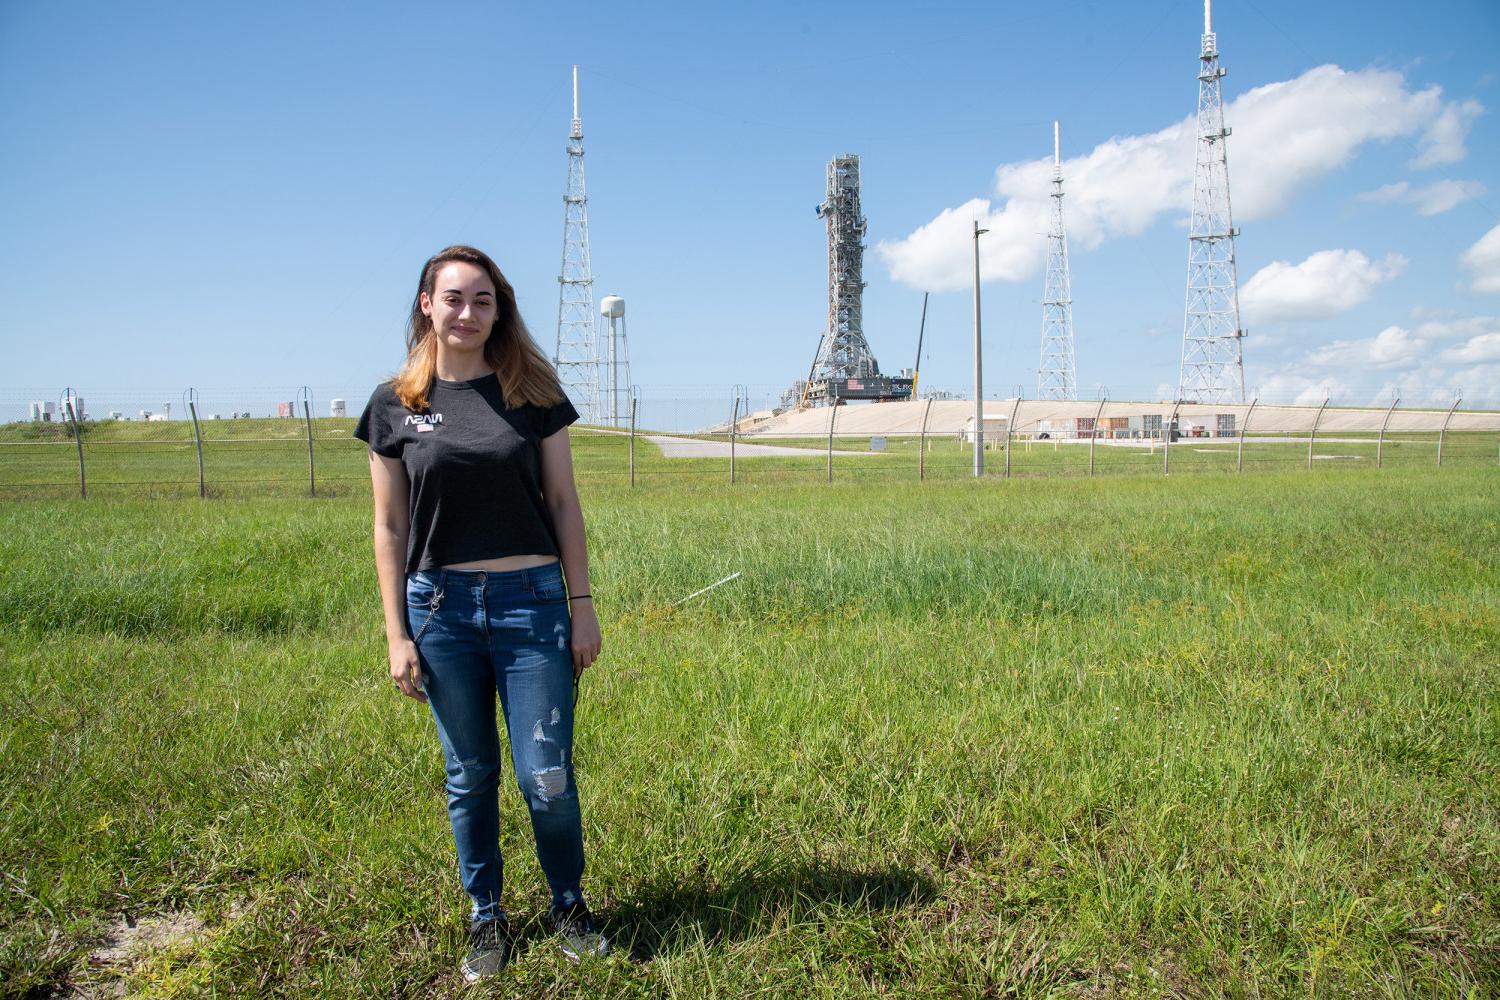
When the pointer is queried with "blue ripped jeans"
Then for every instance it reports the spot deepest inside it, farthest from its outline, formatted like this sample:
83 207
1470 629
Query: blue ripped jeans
478 633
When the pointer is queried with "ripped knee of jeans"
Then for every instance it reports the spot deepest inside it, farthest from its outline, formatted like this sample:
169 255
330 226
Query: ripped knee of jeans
549 782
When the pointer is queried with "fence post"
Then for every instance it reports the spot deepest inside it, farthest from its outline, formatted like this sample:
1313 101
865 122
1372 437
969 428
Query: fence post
1095 436
1009 428
83 482
734 424
922 441
192 404
1441 433
1239 461
1380 441
312 482
1314 435
633 401
1166 439
833 410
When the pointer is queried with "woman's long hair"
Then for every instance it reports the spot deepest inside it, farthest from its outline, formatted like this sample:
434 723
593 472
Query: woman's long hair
526 376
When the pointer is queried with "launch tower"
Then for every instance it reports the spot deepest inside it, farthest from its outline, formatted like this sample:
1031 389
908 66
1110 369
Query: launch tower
844 367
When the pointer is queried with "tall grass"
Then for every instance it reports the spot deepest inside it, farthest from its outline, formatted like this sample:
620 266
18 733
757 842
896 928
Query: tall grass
1193 736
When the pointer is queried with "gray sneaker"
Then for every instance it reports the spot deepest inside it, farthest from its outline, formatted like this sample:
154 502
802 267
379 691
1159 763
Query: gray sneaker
577 931
489 948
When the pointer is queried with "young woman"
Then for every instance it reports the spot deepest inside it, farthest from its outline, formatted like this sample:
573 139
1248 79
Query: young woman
483 567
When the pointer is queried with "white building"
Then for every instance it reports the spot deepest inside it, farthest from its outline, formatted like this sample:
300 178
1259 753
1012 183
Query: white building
994 427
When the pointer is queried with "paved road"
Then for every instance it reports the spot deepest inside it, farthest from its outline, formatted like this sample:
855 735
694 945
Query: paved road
675 447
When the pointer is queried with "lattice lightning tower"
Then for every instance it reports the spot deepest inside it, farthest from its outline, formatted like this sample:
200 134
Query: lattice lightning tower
1213 363
844 353
1057 378
577 355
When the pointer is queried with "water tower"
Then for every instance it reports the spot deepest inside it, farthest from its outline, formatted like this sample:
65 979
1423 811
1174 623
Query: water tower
612 308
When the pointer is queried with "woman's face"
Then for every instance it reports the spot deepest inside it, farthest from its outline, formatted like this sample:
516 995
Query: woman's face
461 306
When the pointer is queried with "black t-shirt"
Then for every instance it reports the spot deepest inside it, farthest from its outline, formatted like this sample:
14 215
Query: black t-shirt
474 467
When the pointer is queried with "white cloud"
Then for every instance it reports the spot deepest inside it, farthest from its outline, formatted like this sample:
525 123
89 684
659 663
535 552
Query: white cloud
1480 384
1393 347
1286 135
1434 199
1431 385
1476 350
1398 361
1386 192
1483 258
1322 286
1300 390
1447 328
940 255
1443 142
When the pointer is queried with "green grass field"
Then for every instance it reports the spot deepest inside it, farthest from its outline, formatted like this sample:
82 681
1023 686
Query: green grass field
1131 736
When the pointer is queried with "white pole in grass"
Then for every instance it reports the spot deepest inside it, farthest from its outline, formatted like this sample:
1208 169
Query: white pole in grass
1239 461
1380 441
1444 431
705 590
1314 435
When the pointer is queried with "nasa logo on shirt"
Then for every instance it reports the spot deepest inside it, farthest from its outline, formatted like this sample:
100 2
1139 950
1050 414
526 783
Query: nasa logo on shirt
424 422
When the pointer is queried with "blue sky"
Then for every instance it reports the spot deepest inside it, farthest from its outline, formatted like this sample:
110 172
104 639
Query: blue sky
200 194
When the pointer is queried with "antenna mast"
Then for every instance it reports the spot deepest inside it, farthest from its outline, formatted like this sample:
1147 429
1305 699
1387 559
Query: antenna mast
1213 363
577 353
1057 376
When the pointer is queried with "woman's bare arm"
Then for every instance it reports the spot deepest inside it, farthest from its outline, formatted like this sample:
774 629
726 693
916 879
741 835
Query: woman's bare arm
392 525
561 495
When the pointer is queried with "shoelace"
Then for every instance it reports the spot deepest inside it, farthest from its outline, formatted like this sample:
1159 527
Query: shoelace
576 918
486 935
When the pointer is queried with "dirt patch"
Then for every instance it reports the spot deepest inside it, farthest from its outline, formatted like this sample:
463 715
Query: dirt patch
128 941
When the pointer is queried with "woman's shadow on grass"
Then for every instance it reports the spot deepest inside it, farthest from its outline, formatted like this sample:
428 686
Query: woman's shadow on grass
698 909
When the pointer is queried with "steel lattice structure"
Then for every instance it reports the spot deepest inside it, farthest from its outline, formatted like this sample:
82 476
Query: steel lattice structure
1057 377
844 352
1213 364
577 352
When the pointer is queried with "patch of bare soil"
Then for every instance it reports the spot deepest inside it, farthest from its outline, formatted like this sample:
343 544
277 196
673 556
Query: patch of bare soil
128 941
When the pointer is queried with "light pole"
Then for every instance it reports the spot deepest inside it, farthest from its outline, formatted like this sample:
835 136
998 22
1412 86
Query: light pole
978 366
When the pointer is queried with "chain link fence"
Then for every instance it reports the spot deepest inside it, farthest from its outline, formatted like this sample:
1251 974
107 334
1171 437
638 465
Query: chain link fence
241 443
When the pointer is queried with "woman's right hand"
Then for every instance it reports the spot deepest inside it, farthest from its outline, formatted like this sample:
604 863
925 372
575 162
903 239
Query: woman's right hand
406 669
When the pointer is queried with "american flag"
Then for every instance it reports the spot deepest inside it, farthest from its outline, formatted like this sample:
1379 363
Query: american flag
855 383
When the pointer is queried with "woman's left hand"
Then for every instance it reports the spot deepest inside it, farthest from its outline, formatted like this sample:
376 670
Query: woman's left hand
586 637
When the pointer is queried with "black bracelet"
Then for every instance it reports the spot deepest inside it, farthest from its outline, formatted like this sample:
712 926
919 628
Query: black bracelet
579 597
